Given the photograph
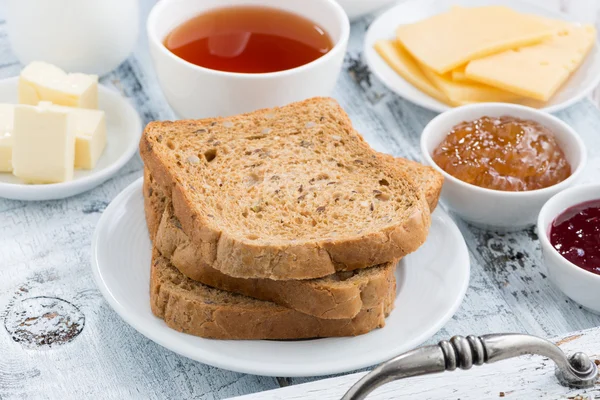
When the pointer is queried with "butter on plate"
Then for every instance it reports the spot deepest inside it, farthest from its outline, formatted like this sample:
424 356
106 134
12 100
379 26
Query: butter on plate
43 145
536 71
40 81
90 133
6 129
451 39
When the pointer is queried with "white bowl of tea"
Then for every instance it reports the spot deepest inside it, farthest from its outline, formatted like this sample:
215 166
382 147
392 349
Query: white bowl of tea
226 57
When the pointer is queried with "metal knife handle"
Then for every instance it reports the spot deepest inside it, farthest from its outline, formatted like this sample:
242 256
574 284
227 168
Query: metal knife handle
459 352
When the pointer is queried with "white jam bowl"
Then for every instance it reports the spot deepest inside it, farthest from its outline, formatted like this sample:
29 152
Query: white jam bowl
197 92
580 285
501 210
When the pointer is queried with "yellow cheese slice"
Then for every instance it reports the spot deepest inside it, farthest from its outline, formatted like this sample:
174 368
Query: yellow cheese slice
467 92
536 71
458 75
446 41
402 62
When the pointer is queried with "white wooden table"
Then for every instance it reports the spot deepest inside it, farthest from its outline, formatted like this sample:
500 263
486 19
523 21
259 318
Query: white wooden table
45 257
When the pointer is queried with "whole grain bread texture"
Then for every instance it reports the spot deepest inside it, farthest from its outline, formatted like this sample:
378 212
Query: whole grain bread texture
427 178
341 295
191 307
338 296
285 193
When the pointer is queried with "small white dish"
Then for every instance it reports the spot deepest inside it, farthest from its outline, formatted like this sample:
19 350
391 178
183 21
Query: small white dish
503 210
123 132
431 286
359 8
197 92
578 284
579 85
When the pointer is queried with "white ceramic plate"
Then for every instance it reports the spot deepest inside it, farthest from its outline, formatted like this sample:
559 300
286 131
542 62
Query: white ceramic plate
431 285
359 8
579 85
123 132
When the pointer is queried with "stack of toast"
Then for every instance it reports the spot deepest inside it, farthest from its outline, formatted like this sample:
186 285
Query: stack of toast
278 224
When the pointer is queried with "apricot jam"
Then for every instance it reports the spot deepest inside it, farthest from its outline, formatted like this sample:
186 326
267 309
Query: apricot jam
575 234
504 153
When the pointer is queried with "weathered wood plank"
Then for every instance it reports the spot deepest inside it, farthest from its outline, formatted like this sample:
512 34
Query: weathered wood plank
528 377
44 251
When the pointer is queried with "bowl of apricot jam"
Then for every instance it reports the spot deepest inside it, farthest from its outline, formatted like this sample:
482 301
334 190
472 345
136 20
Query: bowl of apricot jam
501 162
569 231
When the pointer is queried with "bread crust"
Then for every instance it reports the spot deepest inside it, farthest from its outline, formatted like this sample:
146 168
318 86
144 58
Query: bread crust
190 307
305 260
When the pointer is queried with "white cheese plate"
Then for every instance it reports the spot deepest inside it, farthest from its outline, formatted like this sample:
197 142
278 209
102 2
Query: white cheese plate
431 284
123 132
579 85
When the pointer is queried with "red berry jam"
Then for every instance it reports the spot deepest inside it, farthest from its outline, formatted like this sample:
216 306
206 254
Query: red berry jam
576 235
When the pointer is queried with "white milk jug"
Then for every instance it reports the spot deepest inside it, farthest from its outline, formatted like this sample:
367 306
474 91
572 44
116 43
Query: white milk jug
91 36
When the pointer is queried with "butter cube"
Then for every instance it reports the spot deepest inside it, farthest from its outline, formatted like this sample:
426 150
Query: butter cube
6 129
41 81
90 133
43 145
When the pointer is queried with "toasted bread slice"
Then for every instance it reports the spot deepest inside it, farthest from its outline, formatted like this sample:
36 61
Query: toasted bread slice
285 193
191 307
339 296
427 178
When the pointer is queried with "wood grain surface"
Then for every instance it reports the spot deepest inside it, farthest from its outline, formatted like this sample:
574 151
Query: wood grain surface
527 377
60 339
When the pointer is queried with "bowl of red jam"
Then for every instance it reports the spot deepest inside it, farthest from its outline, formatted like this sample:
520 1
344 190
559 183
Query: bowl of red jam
501 162
569 231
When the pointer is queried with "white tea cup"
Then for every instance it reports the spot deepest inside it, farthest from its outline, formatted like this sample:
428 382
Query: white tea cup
198 92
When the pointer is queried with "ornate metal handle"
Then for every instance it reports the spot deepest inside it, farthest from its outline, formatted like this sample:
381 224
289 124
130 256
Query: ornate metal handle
460 352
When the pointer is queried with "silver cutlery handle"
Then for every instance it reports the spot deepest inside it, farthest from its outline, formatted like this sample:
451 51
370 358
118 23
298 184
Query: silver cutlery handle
577 370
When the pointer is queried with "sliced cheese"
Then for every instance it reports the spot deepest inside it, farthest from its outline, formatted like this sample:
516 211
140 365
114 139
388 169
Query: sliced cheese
458 75
41 81
536 71
448 40
467 92
6 129
403 63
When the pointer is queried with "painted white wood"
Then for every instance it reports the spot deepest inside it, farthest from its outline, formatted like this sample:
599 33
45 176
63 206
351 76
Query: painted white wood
528 377
44 251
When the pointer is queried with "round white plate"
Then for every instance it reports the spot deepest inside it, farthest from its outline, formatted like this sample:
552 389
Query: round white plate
123 132
431 285
359 8
579 85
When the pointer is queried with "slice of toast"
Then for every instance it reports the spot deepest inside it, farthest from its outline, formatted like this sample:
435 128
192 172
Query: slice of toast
191 307
427 178
285 193
341 295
